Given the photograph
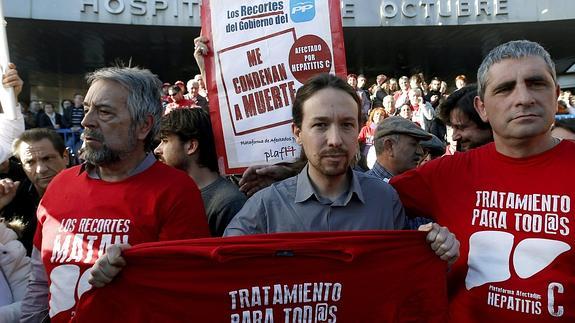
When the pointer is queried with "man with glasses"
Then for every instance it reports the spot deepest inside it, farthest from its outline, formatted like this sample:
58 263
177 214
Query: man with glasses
178 100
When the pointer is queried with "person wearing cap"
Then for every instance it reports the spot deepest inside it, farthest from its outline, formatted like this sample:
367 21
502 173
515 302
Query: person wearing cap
397 148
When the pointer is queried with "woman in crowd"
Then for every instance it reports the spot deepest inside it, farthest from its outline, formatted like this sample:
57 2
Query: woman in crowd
366 133
393 86
406 111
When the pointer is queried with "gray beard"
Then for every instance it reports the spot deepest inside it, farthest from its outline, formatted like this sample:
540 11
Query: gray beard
100 157
106 155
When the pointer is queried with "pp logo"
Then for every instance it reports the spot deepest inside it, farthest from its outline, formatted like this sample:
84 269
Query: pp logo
302 10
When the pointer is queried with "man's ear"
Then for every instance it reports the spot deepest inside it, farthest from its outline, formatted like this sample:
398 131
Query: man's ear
480 108
191 146
557 93
145 127
66 157
388 145
296 133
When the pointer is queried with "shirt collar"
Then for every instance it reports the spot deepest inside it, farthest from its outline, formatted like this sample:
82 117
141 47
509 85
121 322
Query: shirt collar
142 166
305 189
381 172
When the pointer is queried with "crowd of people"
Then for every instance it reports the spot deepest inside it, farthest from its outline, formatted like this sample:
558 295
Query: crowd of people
414 99
149 172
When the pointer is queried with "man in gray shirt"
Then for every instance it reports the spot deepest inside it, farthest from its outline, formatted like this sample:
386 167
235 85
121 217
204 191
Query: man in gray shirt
327 195
294 205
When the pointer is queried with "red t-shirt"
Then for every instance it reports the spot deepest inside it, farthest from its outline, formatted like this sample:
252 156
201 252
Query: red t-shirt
369 276
79 217
366 134
514 219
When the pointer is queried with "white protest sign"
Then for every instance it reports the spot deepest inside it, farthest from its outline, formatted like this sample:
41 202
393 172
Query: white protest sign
261 53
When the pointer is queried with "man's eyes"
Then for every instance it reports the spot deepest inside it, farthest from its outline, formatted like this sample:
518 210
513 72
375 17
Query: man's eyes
503 89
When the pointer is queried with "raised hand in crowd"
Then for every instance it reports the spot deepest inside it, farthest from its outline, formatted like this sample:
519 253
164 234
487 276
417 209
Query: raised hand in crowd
8 189
10 129
201 49
12 79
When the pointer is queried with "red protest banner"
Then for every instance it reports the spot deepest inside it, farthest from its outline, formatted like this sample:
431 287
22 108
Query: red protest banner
369 276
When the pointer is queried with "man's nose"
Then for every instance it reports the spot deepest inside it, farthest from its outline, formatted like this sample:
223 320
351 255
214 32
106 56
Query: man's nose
158 151
523 95
456 136
334 136
89 118
41 167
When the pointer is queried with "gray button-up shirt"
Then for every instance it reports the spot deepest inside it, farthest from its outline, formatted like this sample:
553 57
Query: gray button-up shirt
293 205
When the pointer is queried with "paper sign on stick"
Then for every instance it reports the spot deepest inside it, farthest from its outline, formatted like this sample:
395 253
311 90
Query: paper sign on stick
7 97
261 53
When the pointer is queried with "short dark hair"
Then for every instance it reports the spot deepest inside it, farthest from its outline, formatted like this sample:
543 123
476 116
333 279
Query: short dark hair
37 134
62 103
462 99
192 123
315 84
